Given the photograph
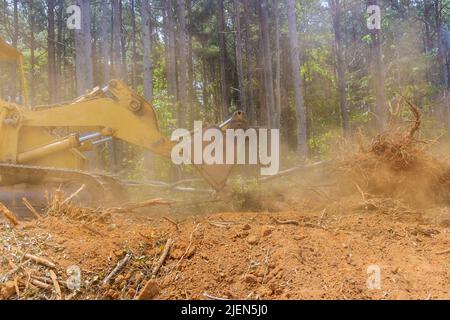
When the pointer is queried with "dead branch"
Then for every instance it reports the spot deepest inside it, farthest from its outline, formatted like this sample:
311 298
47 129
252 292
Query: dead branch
191 237
172 222
31 208
56 285
120 265
40 284
8 214
214 297
322 217
363 195
280 174
417 116
40 261
73 195
163 257
293 222
133 206
443 252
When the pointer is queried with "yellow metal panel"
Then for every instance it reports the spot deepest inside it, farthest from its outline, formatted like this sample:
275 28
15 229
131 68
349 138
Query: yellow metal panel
8 52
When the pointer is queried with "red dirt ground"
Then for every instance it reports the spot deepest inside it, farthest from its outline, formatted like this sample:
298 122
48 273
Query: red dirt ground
305 251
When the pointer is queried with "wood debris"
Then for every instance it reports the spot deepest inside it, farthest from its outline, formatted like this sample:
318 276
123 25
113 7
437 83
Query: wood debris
8 215
130 207
163 257
40 260
120 265
31 208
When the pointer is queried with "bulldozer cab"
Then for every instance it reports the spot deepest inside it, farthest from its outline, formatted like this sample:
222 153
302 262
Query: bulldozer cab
13 88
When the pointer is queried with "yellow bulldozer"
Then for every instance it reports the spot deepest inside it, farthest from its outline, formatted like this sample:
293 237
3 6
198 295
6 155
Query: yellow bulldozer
35 156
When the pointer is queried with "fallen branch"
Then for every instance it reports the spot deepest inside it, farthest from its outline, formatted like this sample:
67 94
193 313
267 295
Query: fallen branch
31 208
214 298
293 222
40 260
443 252
163 257
280 174
118 268
172 222
166 186
56 285
133 206
191 238
8 214
42 279
220 224
73 195
363 195
15 269
322 217
40 284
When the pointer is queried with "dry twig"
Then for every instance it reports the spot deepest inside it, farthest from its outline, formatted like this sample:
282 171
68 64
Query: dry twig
8 214
31 208
40 260
120 265
163 257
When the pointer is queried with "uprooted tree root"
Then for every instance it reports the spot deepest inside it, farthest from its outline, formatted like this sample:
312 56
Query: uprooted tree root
397 164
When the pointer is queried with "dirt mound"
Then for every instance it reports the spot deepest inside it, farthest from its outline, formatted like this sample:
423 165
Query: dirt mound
397 164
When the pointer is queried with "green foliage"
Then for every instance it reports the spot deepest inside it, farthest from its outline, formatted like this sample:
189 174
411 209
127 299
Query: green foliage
411 61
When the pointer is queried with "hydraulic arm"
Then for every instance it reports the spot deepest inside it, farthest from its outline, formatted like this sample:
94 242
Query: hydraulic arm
29 137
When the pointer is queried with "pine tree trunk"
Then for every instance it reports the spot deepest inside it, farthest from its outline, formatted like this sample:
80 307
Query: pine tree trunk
15 40
239 64
271 112
205 82
84 67
192 100
182 71
440 34
249 52
171 63
380 112
106 40
117 40
147 47
302 139
32 54
60 27
51 43
336 11
276 13
223 61
123 39
134 80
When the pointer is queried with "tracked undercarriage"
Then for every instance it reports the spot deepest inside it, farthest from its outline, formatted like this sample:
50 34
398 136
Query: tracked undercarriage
37 183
